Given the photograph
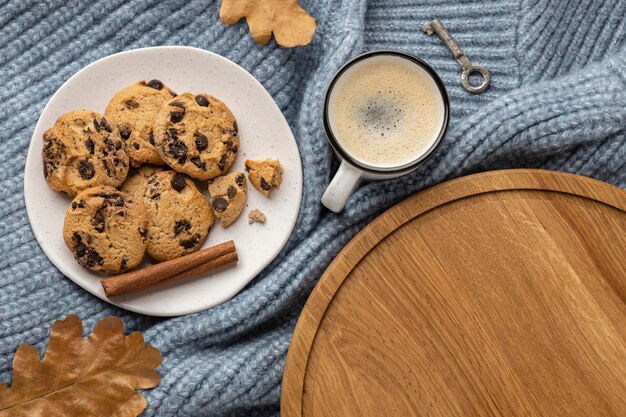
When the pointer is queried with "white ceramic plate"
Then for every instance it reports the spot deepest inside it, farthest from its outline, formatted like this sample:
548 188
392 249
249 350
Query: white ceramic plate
263 130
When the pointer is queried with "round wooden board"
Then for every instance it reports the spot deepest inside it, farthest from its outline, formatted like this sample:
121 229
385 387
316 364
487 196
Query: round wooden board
497 294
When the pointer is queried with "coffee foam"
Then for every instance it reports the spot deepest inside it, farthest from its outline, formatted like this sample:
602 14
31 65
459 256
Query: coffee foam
386 111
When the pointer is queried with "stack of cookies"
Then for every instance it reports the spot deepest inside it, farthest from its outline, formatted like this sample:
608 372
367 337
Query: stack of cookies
133 175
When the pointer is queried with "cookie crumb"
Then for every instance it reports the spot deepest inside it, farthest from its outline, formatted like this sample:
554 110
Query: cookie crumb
256 215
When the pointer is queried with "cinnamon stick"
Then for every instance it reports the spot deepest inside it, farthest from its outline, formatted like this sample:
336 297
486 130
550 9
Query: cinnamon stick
171 271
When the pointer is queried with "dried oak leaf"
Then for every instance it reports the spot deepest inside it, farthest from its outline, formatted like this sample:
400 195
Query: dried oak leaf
77 377
292 26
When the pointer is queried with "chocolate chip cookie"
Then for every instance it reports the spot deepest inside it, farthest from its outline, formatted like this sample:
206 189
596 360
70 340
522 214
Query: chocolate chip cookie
137 180
228 197
106 230
197 135
265 175
179 216
133 110
83 150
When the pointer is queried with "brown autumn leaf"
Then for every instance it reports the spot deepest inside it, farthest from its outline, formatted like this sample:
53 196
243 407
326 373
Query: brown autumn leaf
291 25
80 377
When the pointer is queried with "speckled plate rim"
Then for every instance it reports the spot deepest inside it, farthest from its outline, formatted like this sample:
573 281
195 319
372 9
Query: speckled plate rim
237 277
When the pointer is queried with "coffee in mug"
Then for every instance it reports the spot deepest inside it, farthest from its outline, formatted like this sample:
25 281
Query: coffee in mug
386 111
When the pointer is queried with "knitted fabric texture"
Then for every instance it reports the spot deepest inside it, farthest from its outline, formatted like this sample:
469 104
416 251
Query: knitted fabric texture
556 101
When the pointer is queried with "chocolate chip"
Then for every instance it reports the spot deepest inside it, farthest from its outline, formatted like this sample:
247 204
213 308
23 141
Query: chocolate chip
136 145
178 182
177 104
198 162
124 263
234 149
240 179
151 139
190 243
107 168
131 104
235 127
98 220
178 150
202 101
125 133
177 116
222 163
86 170
105 125
265 185
81 204
172 134
156 84
143 232
119 203
173 94
89 145
96 125
116 161
81 248
219 204
202 142
247 168
45 170
74 205
232 192
93 258
181 226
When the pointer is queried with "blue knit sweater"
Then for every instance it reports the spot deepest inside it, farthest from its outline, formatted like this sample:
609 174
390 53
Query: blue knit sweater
557 100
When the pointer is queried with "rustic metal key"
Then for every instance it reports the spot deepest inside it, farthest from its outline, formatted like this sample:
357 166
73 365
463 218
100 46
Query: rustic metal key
437 27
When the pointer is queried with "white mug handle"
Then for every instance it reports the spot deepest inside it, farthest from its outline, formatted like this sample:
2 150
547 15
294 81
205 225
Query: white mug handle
341 187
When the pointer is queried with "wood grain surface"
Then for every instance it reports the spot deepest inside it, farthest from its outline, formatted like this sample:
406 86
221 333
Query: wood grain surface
497 294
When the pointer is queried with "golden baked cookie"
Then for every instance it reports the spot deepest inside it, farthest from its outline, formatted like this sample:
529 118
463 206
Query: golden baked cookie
197 135
133 110
228 197
83 150
180 216
264 175
106 230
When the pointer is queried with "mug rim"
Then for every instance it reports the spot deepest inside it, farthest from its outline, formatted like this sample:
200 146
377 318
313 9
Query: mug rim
405 168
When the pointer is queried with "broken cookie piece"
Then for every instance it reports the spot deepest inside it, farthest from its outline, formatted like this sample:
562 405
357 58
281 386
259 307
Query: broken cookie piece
256 215
228 197
264 175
